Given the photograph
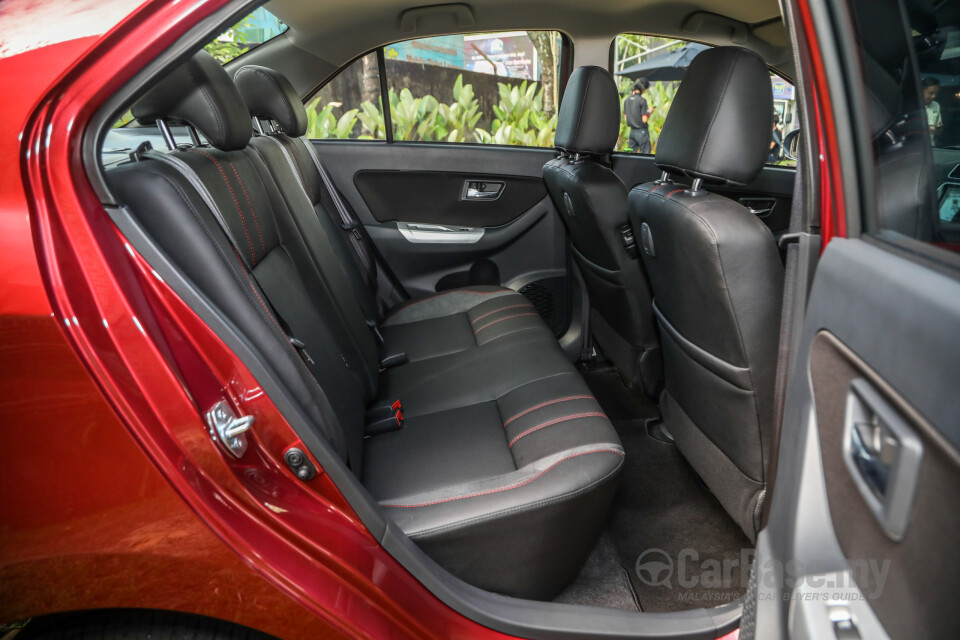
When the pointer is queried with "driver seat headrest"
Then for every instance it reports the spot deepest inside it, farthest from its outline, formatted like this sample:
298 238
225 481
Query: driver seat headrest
719 126
589 119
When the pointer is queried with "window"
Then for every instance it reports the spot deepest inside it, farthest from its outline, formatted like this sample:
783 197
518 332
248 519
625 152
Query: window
489 88
915 105
649 70
349 106
251 32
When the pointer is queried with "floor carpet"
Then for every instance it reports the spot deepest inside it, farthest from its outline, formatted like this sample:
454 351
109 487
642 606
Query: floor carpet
663 521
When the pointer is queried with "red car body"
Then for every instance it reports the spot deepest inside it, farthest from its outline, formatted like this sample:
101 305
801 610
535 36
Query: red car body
113 494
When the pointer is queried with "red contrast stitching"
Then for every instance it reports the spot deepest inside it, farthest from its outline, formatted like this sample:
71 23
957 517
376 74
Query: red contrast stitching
516 486
253 211
673 192
589 414
490 324
654 190
489 313
253 258
446 293
546 404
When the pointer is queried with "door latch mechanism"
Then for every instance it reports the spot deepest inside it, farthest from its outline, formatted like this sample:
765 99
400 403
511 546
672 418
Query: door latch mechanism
229 429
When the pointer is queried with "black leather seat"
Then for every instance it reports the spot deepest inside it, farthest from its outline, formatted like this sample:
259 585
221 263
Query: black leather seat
504 465
592 202
717 277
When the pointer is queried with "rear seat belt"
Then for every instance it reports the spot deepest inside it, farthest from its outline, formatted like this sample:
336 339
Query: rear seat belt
387 358
353 225
191 176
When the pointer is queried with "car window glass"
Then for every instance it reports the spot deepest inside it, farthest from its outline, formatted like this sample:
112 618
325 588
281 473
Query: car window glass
915 118
481 88
349 106
249 33
649 70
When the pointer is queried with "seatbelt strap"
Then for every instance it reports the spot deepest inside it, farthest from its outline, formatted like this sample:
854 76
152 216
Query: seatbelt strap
358 238
349 223
797 244
299 347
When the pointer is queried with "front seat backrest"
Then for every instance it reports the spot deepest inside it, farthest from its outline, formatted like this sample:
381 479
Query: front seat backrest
592 202
717 277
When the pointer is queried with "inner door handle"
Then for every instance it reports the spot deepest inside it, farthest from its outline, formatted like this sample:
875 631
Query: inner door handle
883 454
482 189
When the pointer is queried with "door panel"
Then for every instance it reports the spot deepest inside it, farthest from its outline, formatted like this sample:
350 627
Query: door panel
877 319
448 197
773 183
392 187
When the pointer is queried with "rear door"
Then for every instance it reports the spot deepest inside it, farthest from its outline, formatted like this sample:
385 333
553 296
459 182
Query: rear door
863 536
450 174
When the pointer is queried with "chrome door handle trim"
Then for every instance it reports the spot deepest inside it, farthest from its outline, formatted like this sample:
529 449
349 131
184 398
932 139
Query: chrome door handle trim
883 454
422 233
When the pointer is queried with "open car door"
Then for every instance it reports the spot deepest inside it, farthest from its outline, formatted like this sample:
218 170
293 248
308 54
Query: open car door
863 529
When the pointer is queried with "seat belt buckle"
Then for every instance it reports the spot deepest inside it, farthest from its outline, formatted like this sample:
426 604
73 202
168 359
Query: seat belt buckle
350 226
384 418
398 412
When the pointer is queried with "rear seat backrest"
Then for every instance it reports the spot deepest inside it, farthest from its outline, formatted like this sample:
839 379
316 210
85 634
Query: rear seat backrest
267 284
270 96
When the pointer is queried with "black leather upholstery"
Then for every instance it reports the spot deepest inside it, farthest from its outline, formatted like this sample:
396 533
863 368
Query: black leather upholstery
717 280
504 465
200 93
589 119
719 123
592 202
268 94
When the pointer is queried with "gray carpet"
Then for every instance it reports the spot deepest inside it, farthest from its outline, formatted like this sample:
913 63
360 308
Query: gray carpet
603 582
661 505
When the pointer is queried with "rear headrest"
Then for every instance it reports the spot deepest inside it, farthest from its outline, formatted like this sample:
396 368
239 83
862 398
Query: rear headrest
589 120
270 95
720 124
200 93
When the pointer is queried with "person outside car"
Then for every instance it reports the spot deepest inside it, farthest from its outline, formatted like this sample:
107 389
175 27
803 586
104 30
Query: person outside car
637 111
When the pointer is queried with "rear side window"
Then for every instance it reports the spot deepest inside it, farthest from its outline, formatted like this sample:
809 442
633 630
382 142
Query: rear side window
649 70
251 32
489 88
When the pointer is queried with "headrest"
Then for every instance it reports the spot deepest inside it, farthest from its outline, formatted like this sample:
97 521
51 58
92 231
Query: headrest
589 120
720 124
200 93
270 95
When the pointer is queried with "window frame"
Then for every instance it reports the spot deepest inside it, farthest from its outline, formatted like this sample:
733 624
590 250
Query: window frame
564 69
611 63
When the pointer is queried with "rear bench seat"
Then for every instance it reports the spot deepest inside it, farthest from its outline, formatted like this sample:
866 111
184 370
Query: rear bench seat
504 466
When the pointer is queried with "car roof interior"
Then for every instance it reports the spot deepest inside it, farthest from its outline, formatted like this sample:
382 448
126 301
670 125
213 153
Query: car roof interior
324 36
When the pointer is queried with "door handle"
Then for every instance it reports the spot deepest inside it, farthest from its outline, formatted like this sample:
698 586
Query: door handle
482 189
760 207
883 454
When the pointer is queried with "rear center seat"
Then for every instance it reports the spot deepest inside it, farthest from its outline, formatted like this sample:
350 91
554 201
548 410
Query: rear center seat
504 466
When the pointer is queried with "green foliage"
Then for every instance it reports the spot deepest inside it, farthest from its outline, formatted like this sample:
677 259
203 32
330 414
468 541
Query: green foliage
231 44
458 120
520 119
